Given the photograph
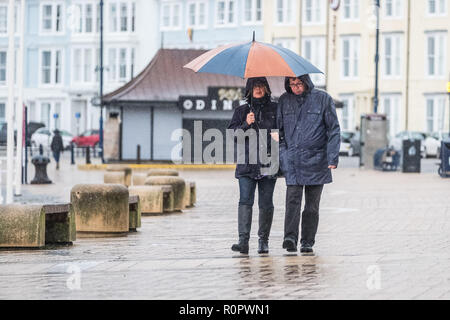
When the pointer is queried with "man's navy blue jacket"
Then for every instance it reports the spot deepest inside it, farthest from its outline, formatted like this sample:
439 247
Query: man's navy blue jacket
309 135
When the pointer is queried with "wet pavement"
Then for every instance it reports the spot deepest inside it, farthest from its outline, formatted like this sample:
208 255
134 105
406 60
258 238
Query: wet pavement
381 236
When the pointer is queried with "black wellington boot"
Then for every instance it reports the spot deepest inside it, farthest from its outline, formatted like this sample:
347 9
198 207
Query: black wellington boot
265 224
244 226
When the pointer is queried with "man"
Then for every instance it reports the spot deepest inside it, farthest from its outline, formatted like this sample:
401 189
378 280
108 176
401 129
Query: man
309 136
57 147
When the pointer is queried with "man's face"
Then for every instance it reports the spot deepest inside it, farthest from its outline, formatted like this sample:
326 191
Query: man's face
297 86
259 90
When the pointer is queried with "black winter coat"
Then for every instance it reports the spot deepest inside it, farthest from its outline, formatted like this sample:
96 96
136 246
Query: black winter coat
309 135
57 143
265 118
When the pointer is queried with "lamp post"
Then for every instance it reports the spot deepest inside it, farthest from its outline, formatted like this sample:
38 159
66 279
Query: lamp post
101 82
377 56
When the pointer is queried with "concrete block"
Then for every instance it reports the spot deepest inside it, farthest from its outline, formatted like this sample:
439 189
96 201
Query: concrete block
162 172
178 186
22 226
134 205
101 209
139 179
115 177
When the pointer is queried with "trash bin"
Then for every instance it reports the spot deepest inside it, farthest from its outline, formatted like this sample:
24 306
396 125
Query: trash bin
411 156
444 168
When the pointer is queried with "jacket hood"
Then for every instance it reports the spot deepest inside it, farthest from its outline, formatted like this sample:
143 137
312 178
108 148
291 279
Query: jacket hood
306 79
250 84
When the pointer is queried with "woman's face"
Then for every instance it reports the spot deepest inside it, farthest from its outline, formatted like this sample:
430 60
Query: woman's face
259 91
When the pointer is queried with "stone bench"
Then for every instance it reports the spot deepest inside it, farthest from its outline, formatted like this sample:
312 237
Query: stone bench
134 208
162 172
154 199
34 226
193 194
121 168
101 209
139 179
114 177
178 187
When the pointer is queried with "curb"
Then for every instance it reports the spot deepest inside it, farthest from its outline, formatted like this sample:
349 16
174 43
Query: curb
87 167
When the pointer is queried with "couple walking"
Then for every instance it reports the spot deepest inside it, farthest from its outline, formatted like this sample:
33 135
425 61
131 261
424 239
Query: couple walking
309 141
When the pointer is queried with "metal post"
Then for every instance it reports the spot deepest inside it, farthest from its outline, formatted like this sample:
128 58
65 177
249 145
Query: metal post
19 106
72 154
377 57
101 82
88 155
25 164
10 107
138 154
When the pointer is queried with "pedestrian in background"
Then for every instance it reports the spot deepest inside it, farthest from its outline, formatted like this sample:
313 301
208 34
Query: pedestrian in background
309 137
258 113
57 147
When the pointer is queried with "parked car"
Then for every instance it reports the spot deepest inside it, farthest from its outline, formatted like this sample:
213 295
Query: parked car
439 136
350 143
346 147
89 138
397 141
32 127
44 136
431 145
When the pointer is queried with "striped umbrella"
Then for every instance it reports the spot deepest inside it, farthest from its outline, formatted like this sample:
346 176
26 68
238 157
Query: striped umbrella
252 59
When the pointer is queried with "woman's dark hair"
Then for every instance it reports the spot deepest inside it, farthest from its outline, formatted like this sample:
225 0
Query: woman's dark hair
252 82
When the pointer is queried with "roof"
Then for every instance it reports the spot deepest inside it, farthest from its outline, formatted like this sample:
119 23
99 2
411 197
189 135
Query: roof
165 79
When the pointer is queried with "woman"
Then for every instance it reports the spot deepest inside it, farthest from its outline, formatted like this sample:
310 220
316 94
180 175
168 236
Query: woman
258 113
57 147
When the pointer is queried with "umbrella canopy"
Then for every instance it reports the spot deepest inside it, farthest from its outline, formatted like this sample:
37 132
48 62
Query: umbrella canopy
252 59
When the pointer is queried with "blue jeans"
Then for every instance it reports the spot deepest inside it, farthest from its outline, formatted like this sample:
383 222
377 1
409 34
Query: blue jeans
247 187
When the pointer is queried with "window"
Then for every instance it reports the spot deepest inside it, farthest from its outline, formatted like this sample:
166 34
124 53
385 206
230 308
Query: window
2 112
112 17
3 19
196 15
392 55
350 10
284 12
436 54
288 43
123 65
350 57
48 109
437 7
346 115
2 67
51 66
45 113
435 113
390 106
88 69
170 16
88 18
313 12
77 65
313 50
226 12
121 16
393 9
120 64
51 18
252 11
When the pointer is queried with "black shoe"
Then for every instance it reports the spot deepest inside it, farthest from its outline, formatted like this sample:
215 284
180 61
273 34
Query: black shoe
289 245
306 249
240 247
263 246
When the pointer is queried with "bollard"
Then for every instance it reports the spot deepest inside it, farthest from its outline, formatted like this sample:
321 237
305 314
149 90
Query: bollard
72 154
138 154
88 155
41 150
40 165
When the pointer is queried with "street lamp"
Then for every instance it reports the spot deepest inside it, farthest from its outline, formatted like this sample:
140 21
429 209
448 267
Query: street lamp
101 82
377 57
